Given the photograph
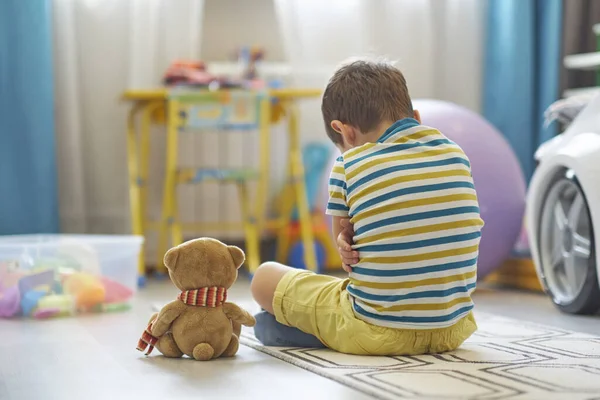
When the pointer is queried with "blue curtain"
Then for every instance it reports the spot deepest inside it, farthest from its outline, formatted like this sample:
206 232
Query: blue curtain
28 183
521 72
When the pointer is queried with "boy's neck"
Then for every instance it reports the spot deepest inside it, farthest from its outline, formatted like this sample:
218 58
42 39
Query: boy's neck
374 135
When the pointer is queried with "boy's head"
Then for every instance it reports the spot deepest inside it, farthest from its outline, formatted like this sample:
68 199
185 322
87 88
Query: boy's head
361 98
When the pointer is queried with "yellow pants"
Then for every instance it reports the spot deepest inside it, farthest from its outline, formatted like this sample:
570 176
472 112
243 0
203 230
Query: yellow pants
320 305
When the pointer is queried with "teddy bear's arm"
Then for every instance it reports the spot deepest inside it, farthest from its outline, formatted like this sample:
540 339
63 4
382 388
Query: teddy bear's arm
167 315
237 314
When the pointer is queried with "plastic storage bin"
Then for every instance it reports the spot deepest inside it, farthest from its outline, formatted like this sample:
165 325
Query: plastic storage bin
50 275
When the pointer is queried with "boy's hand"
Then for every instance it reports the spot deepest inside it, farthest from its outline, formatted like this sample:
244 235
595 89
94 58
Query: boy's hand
344 243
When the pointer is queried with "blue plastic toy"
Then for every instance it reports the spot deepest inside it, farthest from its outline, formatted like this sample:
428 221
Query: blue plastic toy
296 256
30 300
315 157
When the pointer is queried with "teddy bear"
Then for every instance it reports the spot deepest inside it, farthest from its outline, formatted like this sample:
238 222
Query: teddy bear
200 323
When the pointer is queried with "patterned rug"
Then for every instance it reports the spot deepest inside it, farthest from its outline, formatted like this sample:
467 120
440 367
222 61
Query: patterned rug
505 359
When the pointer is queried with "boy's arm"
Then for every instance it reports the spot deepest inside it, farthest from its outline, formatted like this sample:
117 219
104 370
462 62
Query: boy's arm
336 227
343 233
337 207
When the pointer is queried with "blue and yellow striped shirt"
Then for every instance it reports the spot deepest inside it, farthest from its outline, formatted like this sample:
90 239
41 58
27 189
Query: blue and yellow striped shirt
417 227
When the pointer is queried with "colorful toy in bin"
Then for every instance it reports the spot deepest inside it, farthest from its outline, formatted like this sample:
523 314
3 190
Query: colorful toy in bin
115 292
30 282
111 307
10 302
58 292
10 298
30 300
55 305
87 290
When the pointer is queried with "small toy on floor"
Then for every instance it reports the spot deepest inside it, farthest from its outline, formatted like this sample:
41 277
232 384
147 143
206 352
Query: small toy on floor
199 323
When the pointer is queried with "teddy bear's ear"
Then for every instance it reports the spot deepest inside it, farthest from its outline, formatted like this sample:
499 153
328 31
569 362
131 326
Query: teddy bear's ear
171 258
237 254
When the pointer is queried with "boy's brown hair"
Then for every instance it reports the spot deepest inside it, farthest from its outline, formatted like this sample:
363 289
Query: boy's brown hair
362 94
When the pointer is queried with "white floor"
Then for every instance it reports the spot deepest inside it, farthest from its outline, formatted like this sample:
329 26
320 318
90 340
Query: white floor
94 357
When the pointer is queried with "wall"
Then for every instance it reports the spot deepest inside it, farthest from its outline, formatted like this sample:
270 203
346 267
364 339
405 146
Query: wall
229 24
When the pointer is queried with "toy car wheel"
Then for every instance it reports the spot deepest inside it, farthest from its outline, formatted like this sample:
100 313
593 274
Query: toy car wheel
567 248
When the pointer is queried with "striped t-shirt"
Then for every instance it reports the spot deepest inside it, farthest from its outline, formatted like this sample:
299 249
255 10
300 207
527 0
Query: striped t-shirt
417 227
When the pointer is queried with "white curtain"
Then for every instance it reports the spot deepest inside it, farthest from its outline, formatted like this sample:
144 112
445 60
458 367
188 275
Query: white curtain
436 43
101 48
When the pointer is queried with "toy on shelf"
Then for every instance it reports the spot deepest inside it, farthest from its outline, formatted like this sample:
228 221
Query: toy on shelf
249 57
190 73
290 248
195 74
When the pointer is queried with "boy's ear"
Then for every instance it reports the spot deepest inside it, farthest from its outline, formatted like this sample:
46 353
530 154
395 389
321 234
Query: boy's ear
417 115
348 132
337 126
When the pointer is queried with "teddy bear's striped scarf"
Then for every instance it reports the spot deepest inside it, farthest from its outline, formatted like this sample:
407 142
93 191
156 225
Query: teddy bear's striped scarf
213 296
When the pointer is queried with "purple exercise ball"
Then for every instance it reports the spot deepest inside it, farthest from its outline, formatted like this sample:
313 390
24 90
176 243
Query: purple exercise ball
497 175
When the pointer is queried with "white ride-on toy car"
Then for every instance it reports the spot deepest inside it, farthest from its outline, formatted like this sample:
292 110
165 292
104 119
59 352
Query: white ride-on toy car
563 213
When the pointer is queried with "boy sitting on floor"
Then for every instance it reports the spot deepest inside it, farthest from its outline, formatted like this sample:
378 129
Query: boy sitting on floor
406 218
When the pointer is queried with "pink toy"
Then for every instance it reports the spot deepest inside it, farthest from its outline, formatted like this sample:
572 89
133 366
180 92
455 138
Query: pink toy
114 291
10 302
46 313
